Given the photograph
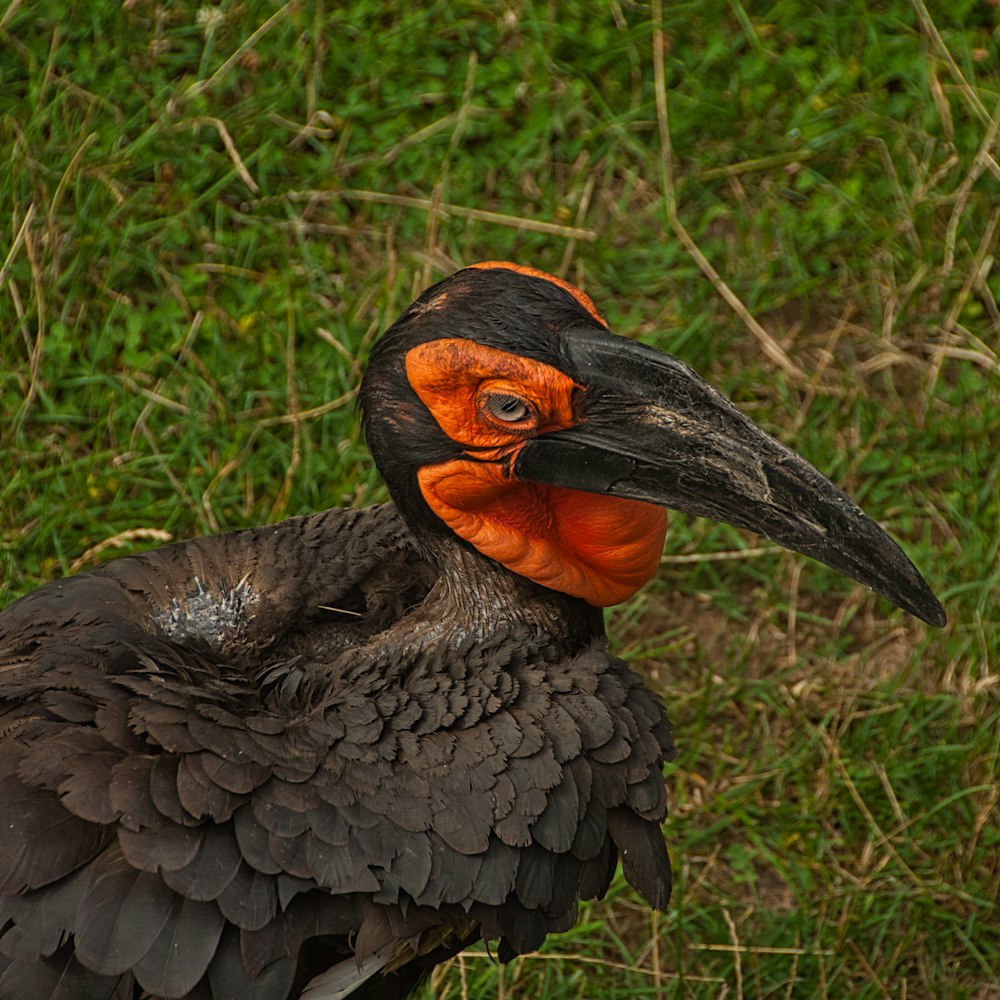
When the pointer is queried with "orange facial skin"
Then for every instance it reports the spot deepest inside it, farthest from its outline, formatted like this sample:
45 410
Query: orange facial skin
599 548
454 378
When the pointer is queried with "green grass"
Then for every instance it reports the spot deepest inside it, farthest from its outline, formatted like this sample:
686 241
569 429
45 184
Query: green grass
210 214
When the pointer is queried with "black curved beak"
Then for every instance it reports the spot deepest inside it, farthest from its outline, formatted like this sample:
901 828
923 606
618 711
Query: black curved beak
651 429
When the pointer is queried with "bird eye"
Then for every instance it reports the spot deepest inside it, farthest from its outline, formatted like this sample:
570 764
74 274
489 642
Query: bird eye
510 409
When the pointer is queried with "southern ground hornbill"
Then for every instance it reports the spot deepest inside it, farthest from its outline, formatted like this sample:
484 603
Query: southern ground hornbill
316 758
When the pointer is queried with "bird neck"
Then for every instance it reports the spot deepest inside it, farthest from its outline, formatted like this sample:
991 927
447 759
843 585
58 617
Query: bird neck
486 597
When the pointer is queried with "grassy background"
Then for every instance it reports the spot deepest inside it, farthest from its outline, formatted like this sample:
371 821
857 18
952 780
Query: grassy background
210 213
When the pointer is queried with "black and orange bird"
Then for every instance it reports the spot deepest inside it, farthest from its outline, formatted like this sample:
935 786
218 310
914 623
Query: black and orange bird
316 758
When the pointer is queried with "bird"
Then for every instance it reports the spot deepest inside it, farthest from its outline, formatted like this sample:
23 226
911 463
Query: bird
317 758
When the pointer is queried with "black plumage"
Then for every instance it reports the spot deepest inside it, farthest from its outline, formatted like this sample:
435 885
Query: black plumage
321 756
159 793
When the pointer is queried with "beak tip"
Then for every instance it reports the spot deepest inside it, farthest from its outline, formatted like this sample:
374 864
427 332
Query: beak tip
933 613
911 592
917 599
920 600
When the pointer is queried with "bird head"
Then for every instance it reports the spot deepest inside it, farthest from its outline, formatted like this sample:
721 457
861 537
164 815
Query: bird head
501 408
